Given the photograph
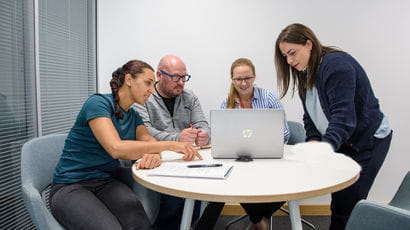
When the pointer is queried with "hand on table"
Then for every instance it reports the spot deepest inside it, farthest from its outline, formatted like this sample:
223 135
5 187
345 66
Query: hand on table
149 161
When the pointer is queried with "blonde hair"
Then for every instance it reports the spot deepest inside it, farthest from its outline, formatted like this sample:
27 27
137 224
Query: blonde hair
231 103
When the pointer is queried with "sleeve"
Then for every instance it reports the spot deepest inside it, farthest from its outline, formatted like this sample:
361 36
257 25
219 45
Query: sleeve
275 103
224 104
97 106
138 120
340 88
197 117
157 134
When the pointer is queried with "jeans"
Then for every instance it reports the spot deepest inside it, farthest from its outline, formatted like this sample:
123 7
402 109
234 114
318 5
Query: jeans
97 204
371 161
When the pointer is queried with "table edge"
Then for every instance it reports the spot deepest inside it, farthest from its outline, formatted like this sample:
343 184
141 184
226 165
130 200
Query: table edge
247 199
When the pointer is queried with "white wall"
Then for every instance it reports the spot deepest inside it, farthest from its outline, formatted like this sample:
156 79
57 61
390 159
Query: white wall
209 35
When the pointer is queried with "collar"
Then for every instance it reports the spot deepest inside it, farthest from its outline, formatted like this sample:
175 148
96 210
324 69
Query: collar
256 93
255 96
157 95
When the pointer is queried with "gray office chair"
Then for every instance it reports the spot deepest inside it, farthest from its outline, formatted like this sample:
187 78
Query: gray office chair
38 160
297 135
395 215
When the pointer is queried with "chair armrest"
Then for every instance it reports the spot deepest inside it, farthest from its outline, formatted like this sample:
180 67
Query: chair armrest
370 215
37 209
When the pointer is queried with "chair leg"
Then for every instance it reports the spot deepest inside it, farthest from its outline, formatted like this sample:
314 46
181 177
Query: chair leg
307 223
237 219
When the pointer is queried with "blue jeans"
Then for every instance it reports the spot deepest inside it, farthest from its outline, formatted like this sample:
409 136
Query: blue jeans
170 213
97 204
371 161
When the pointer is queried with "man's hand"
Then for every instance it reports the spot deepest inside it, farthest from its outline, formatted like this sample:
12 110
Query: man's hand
149 161
202 138
188 135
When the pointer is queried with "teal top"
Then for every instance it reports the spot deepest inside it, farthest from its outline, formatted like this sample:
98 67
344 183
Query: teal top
83 157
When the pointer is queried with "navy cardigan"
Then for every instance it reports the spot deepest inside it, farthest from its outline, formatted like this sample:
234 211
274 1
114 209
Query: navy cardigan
348 102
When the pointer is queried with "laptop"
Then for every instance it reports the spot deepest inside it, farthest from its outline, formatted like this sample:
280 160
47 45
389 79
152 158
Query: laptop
247 133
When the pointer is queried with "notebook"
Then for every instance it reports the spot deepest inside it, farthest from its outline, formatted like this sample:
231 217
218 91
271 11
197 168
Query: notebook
247 133
182 170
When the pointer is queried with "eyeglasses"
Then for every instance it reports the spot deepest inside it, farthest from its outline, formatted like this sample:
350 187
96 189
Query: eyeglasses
246 79
176 78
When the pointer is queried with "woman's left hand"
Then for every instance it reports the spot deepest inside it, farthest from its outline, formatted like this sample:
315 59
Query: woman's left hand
149 161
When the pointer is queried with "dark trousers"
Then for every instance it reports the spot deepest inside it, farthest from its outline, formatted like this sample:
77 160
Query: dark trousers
170 212
210 216
97 204
259 210
256 212
371 161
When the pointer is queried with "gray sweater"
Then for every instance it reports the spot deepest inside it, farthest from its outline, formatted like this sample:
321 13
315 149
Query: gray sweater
163 127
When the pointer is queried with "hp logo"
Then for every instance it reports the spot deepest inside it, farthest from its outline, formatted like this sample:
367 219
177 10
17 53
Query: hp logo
247 133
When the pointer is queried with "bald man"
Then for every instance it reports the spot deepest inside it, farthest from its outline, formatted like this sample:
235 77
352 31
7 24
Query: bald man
173 113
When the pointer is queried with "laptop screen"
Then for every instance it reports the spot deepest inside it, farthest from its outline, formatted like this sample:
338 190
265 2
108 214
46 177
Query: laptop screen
254 133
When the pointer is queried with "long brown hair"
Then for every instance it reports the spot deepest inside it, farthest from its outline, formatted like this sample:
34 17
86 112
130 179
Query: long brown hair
133 67
231 103
298 34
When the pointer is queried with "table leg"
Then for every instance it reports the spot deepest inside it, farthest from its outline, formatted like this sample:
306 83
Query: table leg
294 214
187 214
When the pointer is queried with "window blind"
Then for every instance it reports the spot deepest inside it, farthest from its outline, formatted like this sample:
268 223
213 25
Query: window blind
16 106
67 76
67 61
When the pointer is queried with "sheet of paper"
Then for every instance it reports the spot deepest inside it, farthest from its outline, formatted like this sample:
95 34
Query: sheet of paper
181 170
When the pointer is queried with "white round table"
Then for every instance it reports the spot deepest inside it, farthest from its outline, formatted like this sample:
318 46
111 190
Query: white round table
305 171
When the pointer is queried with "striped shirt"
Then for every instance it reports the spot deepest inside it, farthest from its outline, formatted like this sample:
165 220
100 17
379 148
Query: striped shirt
264 99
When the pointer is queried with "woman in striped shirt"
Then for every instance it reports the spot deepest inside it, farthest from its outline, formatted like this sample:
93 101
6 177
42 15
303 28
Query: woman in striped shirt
244 95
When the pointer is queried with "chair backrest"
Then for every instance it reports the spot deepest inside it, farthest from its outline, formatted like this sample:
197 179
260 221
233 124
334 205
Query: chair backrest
375 216
297 133
402 197
38 160
371 215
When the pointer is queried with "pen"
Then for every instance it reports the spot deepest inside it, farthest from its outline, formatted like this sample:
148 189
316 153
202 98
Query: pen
204 165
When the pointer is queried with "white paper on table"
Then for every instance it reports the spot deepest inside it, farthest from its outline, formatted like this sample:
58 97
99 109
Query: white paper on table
181 170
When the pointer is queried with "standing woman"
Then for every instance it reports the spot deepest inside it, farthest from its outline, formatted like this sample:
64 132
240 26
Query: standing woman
339 108
85 193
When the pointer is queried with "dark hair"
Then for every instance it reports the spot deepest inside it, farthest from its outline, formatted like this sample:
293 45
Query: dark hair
298 34
133 67
233 93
